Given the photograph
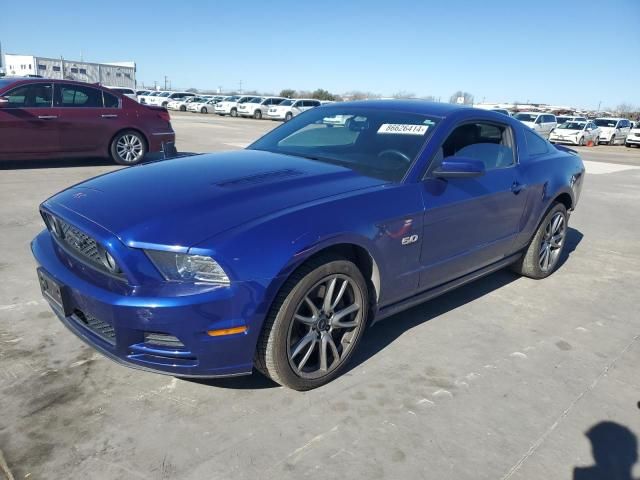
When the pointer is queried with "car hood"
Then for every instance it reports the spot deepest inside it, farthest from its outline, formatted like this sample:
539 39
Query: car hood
184 201
565 131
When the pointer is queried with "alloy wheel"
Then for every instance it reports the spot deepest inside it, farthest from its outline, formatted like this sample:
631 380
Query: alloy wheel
325 325
552 242
130 148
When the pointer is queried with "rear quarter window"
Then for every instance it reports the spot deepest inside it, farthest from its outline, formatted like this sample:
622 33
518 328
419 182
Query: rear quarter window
536 145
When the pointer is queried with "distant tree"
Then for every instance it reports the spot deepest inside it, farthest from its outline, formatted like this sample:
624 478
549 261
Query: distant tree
429 98
321 94
468 98
288 93
624 108
358 95
404 94
192 90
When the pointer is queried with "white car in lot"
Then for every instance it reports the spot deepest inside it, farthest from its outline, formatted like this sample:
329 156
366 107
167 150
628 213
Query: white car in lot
288 109
258 107
205 106
541 123
575 133
182 103
613 130
146 98
127 92
229 106
634 137
164 98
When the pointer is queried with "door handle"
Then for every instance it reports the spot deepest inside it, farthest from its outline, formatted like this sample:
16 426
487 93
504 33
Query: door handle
47 117
110 115
517 187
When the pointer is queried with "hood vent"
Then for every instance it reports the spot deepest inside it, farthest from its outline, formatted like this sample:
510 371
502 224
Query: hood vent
259 178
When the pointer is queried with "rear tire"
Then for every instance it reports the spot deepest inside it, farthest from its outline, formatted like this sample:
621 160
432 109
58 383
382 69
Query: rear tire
543 253
308 339
128 148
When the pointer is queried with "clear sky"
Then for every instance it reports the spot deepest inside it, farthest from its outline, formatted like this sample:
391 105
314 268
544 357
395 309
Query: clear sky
553 51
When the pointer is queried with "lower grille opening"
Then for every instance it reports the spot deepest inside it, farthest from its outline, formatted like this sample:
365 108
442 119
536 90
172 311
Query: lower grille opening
97 326
162 340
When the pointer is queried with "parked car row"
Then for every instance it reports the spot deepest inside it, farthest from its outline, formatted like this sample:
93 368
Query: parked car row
579 130
248 106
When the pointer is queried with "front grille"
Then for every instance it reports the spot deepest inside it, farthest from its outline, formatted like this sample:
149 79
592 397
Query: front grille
97 326
80 242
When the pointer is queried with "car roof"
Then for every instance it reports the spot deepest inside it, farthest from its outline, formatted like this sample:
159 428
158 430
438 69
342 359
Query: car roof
610 118
417 106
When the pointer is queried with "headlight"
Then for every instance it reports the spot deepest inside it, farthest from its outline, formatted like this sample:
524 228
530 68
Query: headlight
185 267
53 225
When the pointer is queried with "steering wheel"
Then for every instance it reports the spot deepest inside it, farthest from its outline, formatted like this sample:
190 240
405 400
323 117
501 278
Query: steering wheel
395 152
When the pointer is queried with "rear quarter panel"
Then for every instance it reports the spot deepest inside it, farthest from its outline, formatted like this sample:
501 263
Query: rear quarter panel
548 176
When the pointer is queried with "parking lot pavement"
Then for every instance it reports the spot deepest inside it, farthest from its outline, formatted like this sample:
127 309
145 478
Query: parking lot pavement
499 380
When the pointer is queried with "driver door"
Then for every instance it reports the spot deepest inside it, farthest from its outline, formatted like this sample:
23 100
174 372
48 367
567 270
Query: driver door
470 223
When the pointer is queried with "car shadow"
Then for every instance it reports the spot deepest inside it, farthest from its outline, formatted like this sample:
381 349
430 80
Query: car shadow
382 334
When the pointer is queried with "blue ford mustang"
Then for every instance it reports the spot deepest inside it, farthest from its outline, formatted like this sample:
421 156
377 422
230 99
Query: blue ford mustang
279 255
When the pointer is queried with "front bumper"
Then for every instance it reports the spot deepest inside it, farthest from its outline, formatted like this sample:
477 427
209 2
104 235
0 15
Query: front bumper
131 318
567 140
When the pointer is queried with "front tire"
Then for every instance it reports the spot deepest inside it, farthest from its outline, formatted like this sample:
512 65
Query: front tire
203 110
612 141
234 112
314 324
543 254
257 115
288 116
183 108
128 148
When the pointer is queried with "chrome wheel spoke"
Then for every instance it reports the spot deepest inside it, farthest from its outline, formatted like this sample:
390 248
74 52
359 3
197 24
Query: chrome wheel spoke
326 304
304 360
314 310
343 288
306 320
323 352
303 342
337 319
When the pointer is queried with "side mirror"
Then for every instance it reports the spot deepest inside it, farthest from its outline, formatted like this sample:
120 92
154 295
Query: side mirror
459 167
4 102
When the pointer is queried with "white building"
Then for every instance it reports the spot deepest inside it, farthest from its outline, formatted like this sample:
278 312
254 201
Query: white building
116 74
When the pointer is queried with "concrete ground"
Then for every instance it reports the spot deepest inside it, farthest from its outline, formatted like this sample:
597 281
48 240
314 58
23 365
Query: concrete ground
501 379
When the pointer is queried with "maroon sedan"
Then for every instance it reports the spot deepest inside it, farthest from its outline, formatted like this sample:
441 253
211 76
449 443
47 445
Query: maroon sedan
42 119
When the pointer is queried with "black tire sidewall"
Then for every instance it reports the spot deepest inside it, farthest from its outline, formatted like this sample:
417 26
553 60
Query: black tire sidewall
284 317
288 117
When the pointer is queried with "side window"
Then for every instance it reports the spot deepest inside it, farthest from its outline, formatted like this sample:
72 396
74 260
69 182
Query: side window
297 104
110 101
535 143
314 103
488 142
36 95
78 96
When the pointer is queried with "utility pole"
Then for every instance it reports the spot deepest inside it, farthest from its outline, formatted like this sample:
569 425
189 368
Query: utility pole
165 82
599 102
240 89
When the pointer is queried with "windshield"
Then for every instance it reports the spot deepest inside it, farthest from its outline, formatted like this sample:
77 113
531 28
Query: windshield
233 98
603 122
373 142
572 126
526 117
562 119
255 100
165 94
284 103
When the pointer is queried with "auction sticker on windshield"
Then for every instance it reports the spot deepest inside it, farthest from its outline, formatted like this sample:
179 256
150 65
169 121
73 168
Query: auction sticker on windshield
403 129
